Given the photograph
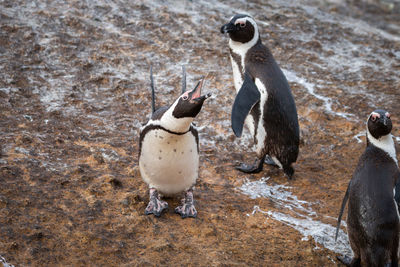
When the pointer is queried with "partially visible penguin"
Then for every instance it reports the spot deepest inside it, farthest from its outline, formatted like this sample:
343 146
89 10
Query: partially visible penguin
169 150
373 217
264 99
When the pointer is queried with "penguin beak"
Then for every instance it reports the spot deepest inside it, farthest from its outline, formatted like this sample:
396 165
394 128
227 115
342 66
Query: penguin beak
195 94
385 120
227 28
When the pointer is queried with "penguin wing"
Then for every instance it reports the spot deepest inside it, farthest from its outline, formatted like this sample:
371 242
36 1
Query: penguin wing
397 190
245 100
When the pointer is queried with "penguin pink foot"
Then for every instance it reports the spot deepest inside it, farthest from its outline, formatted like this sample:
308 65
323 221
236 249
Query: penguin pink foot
169 149
187 208
155 206
255 168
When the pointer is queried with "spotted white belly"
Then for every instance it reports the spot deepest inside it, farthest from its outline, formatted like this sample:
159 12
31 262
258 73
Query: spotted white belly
169 162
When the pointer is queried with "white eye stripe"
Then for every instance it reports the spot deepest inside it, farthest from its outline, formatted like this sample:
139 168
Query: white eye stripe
241 21
374 114
185 96
248 19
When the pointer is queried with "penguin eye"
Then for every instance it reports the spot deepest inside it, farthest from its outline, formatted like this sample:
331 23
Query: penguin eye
242 25
387 115
375 116
185 97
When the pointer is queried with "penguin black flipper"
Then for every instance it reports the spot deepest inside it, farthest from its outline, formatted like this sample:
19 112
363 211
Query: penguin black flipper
245 100
397 192
345 198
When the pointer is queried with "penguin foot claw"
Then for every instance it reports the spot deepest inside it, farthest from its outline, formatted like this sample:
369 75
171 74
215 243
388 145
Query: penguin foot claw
255 168
155 206
346 260
187 208
248 168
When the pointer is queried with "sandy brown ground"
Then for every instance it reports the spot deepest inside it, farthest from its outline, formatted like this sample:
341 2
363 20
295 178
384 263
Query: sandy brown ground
76 88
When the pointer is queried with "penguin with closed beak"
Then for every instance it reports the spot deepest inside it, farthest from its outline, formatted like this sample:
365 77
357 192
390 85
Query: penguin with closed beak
373 216
169 150
264 100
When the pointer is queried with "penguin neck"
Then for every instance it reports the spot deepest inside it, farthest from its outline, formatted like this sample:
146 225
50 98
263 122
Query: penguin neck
242 48
173 124
385 143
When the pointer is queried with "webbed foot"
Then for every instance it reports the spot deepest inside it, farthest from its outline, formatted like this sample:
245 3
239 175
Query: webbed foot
155 206
187 208
268 160
355 262
255 168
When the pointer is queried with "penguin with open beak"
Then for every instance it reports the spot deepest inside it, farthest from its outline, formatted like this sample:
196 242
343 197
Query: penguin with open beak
169 150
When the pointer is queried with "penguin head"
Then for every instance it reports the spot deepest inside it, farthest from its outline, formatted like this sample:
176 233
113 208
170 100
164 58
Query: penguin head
379 123
189 104
241 28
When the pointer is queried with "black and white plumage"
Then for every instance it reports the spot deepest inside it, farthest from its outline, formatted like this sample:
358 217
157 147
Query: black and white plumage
169 151
373 217
264 100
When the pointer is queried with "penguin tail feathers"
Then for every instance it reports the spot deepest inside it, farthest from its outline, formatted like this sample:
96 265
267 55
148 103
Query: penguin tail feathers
345 198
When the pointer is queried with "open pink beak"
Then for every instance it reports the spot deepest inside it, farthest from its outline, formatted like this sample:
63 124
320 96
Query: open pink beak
195 94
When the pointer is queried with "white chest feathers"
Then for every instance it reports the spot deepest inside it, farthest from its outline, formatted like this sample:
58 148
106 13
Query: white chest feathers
169 162
261 133
385 143
237 75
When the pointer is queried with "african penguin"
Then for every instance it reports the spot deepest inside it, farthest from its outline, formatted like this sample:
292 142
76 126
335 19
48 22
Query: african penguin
169 150
264 99
373 217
